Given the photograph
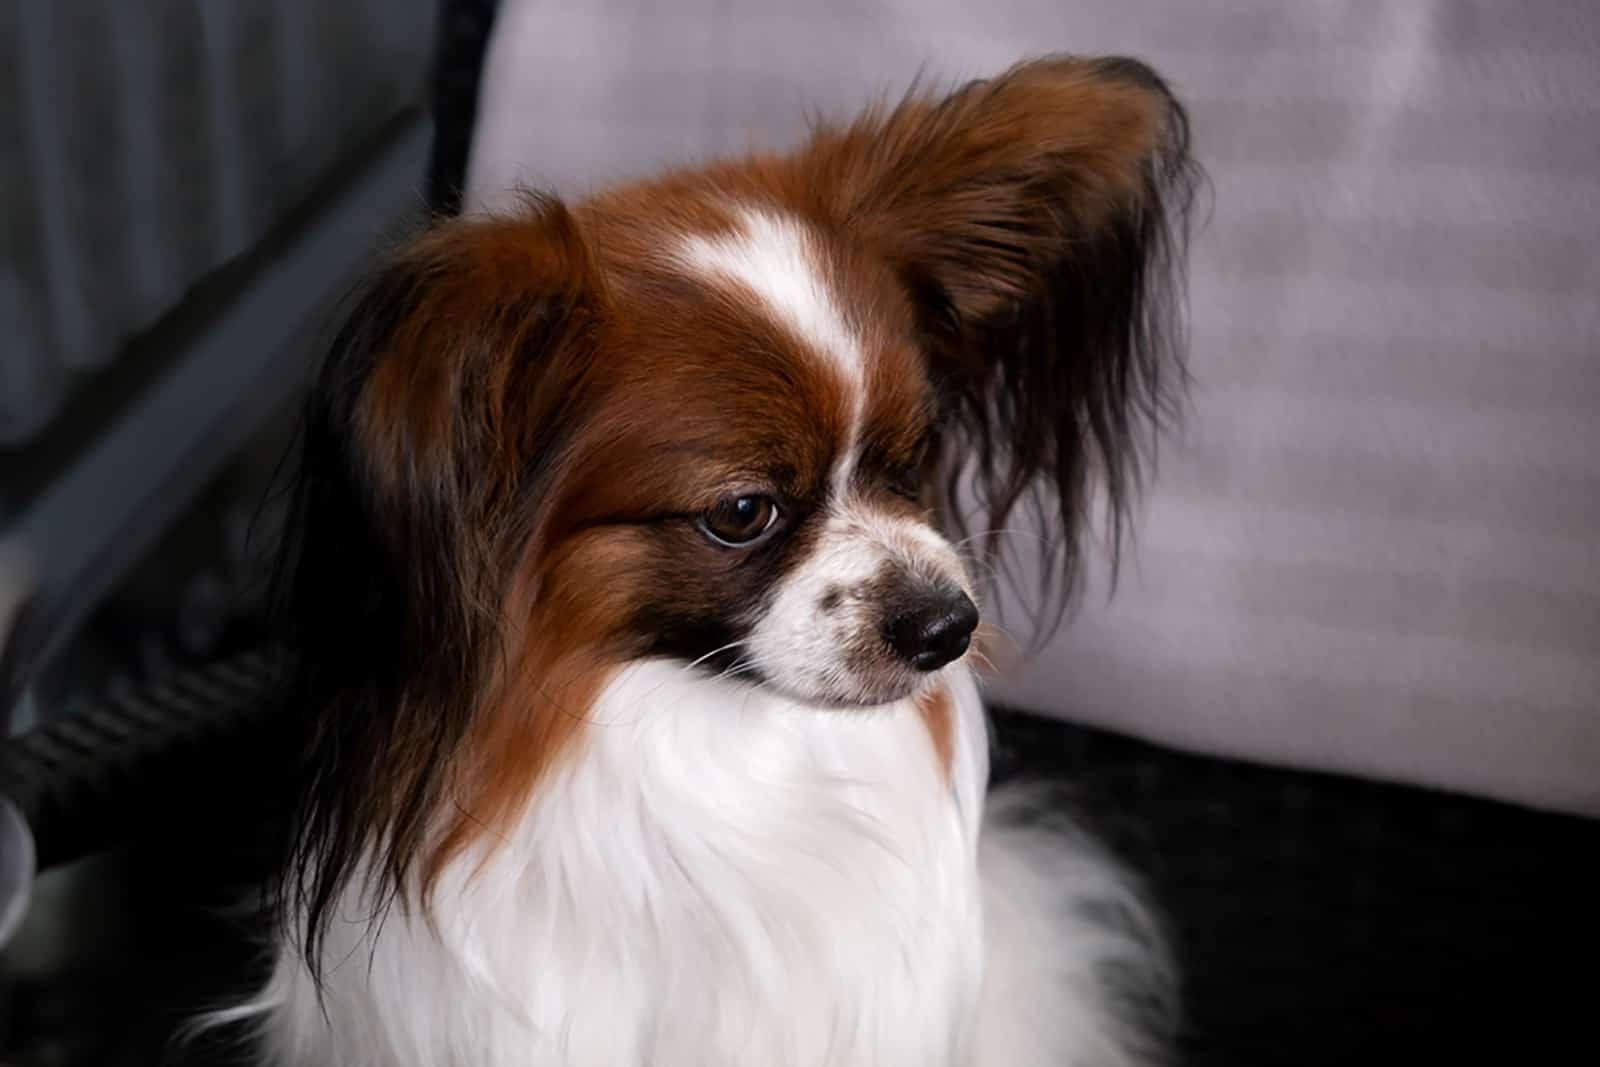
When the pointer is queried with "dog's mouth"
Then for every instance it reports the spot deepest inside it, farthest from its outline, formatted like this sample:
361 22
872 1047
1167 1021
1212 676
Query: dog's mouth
829 689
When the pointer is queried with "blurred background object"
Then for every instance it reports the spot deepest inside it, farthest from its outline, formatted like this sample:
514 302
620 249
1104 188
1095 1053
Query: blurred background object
1372 549
188 185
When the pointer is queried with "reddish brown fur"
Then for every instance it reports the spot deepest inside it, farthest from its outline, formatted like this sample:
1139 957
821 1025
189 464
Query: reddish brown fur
938 716
995 156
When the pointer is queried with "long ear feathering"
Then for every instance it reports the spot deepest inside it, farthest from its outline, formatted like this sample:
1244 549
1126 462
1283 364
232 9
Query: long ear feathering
412 513
1040 221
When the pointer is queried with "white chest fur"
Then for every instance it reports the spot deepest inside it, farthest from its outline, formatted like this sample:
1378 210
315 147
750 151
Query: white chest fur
715 876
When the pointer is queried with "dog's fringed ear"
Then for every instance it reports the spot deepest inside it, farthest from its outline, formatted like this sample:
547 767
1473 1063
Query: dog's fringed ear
1038 220
433 431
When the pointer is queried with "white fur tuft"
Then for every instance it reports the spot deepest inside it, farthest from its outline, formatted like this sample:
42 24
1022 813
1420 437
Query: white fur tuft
1076 971
720 876
773 255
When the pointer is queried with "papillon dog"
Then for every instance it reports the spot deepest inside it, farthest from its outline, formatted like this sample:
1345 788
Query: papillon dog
639 548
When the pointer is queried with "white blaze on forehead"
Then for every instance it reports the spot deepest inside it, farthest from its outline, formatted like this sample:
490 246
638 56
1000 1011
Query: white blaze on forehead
776 258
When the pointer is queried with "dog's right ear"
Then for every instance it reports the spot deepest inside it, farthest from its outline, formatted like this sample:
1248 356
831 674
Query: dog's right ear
433 432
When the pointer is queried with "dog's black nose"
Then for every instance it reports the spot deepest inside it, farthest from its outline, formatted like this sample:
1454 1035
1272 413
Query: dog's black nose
934 631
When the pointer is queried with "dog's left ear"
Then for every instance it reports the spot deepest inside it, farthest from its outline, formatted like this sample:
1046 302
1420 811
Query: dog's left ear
1038 222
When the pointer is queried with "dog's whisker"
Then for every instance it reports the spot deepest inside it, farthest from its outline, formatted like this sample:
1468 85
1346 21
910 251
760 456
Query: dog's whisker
1003 532
692 664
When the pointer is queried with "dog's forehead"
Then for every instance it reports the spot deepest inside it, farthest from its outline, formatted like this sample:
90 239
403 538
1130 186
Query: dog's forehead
840 319
770 320
782 267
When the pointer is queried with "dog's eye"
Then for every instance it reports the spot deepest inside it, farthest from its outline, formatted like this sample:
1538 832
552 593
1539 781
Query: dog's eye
907 480
907 483
740 521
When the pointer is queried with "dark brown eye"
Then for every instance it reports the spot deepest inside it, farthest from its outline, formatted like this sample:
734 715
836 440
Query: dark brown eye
737 521
907 483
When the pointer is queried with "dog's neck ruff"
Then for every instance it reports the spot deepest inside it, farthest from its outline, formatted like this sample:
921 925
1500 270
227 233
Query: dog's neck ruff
714 875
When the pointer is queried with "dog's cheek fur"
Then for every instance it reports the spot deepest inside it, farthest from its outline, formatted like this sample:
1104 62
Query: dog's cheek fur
417 502
697 602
